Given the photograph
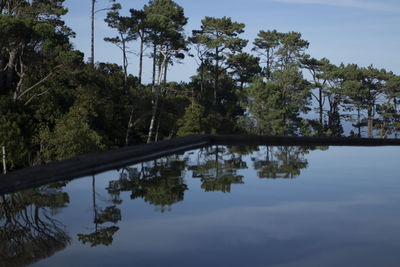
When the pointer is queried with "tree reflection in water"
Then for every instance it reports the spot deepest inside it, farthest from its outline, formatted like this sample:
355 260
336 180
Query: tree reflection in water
28 231
218 168
102 217
160 183
281 161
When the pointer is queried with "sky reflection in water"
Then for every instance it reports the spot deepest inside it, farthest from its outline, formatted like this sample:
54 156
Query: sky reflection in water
276 206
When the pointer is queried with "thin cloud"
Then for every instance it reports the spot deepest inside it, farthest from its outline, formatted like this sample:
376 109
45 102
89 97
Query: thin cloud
360 4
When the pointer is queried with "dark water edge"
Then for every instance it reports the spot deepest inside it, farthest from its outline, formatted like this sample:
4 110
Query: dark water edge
99 162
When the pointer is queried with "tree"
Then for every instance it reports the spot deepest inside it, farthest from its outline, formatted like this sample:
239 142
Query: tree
244 68
265 109
193 121
324 80
123 25
36 47
93 12
71 136
389 122
266 45
220 35
140 28
363 87
166 20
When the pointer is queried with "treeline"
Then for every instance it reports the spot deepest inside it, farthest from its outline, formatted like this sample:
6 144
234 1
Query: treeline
53 105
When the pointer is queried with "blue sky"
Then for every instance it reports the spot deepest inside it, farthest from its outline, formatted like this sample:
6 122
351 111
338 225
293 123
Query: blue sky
364 32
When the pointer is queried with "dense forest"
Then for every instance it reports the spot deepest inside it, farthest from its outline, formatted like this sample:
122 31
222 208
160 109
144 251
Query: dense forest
54 105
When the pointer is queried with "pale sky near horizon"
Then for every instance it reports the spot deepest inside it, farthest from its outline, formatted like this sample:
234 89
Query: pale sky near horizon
363 32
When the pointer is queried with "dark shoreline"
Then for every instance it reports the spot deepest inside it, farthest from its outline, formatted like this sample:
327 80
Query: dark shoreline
94 163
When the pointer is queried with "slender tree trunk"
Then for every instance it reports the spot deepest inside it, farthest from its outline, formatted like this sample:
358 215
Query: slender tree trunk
165 73
2 65
156 99
92 35
396 119
268 66
125 59
94 201
370 119
320 107
129 129
216 75
161 112
173 130
202 78
141 61
384 121
154 67
216 163
160 69
12 57
359 122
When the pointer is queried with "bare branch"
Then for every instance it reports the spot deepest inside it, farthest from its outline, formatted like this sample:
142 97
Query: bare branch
56 69
39 94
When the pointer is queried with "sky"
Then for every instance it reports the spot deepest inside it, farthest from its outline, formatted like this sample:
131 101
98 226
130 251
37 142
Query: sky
363 32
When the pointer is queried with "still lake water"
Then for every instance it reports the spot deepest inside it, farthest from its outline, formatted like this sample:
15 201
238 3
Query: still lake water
217 206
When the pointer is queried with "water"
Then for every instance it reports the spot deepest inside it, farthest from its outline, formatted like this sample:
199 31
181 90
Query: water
238 206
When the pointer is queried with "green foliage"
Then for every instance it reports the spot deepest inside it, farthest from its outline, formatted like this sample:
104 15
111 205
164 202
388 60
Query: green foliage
193 121
244 67
53 106
104 236
71 136
265 108
12 138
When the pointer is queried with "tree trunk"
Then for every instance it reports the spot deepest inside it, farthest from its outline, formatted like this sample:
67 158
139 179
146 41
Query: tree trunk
156 99
268 76
154 67
173 130
165 73
2 64
320 107
216 76
359 122
370 119
141 61
161 112
395 116
202 78
11 68
129 129
92 35
125 59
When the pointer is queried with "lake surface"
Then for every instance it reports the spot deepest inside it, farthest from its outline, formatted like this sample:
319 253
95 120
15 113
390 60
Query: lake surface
217 206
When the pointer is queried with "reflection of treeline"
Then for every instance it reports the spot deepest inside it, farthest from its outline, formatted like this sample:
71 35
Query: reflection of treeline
28 232
53 105
281 162
159 183
104 220
217 171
